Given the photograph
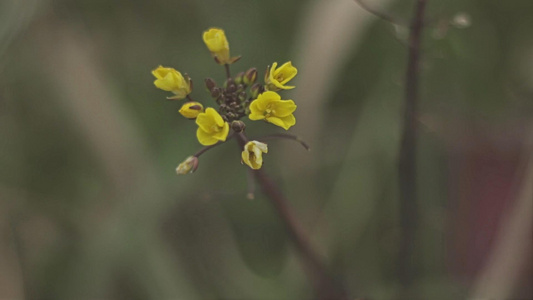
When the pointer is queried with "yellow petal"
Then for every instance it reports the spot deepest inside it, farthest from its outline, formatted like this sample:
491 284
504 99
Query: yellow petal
272 71
217 43
261 146
265 98
223 133
288 72
215 40
256 116
245 156
283 108
252 154
205 138
284 122
160 72
166 83
189 112
217 118
281 86
205 121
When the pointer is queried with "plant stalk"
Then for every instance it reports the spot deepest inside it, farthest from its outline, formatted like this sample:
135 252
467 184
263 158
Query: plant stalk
325 286
409 214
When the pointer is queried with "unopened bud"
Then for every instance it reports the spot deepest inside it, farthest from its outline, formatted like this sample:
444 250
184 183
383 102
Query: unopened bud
256 89
229 84
238 126
239 77
210 84
215 92
191 110
250 76
187 166
242 96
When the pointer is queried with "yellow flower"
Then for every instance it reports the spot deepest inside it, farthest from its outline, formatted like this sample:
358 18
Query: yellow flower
269 106
277 77
190 110
170 80
252 155
216 42
187 166
211 127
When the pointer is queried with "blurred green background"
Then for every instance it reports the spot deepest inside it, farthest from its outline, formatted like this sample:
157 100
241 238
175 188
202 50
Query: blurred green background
91 206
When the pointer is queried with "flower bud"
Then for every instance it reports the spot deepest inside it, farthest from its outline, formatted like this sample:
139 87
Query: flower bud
250 76
239 77
190 110
230 85
210 84
242 96
170 80
216 42
238 126
256 89
187 166
215 92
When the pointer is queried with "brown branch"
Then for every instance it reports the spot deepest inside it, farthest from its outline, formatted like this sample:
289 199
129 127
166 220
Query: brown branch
325 286
407 156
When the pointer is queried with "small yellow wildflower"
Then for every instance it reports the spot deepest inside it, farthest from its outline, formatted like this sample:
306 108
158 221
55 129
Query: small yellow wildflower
187 166
211 127
170 80
269 106
216 42
276 78
252 155
191 110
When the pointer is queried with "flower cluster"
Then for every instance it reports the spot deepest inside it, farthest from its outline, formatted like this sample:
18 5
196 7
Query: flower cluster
238 97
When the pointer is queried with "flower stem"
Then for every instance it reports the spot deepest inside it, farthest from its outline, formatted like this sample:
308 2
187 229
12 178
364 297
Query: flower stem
325 286
228 73
205 149
378 13
286 136
407 157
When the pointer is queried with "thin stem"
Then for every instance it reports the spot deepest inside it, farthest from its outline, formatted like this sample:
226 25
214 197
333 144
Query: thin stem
407 156
251 184
379 14
326 287
228 73
205 149
286 136
190 98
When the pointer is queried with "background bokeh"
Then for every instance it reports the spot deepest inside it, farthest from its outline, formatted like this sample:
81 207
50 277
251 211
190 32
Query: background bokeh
91 207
